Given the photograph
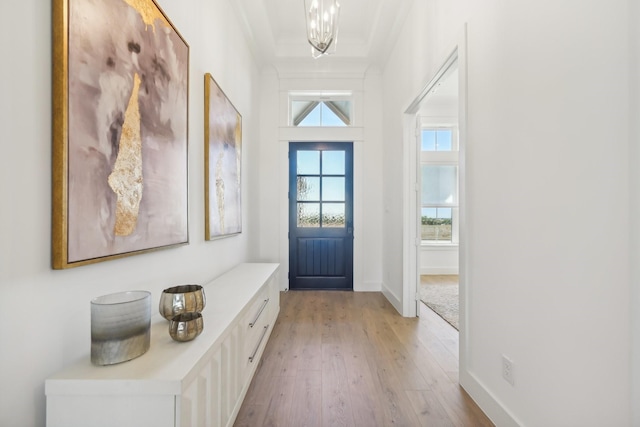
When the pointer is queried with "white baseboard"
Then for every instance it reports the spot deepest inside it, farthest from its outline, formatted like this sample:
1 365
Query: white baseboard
393 299
367 287
496 412
438 270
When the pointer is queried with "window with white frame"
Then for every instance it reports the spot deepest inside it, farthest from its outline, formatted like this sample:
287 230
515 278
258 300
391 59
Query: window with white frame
439 184
323 110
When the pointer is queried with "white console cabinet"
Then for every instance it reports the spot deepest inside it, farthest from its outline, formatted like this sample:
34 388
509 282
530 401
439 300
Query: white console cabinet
197 383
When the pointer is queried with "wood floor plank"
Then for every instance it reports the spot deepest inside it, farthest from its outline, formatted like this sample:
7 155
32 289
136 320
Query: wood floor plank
336 399
251 415
396 408
365 407
349 359
393 353
274 355
306 406
446 357
429 410
425 361
353 339
303 351
280 401
462 410
388 374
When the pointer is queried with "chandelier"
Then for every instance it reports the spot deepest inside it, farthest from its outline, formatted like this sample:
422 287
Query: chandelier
322 26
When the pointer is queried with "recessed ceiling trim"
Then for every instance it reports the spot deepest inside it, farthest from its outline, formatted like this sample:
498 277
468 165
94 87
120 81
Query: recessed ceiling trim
276 31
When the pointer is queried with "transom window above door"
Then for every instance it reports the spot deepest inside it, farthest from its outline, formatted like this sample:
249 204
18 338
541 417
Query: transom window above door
321 110
437 140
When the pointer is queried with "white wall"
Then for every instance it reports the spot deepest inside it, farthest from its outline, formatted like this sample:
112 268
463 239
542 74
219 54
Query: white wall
365 132
634 161
438 260
44 313
547 160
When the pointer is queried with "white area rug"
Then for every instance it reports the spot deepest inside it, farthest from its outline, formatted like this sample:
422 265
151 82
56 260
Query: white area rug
443 299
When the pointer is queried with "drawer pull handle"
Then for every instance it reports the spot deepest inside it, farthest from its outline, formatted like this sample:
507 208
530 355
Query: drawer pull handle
264 333
264 304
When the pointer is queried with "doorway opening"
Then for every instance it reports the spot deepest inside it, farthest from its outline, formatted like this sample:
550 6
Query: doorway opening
321 215
412 220
435 149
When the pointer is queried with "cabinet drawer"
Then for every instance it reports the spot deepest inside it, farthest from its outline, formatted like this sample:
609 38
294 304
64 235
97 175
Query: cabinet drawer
105 410
256 316
257 326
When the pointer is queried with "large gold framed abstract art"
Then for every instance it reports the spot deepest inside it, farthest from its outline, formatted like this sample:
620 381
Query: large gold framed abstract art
223 163
120 131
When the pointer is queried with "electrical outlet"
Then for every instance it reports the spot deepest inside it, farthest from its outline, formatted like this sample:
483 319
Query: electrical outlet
507 370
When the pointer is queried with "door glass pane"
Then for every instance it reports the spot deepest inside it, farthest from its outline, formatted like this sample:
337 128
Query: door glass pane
333 215
308 163
333 163
308 188
439 184
308 215
333 189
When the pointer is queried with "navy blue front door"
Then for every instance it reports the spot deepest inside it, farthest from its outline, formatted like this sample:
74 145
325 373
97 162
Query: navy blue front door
320 215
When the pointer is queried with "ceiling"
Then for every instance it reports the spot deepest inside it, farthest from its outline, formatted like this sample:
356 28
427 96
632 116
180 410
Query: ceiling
276 31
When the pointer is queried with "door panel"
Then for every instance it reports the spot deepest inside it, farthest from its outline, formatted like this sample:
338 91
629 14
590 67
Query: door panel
321 257
321 215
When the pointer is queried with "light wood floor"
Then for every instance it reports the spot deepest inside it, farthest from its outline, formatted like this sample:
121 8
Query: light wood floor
349 359
439 279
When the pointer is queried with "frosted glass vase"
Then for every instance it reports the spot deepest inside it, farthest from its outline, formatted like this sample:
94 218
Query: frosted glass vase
120 327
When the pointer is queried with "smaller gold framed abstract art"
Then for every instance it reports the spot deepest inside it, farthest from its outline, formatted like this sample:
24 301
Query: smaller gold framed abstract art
223 163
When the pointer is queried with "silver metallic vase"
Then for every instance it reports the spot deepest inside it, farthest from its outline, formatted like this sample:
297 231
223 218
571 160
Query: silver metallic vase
182 299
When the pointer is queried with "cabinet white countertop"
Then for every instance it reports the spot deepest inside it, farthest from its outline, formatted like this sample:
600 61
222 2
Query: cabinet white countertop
164 368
